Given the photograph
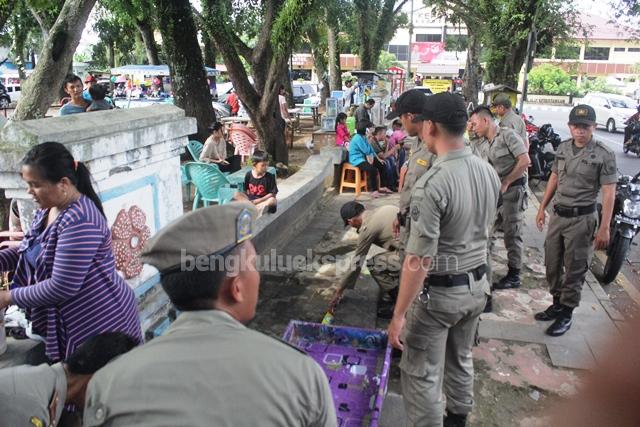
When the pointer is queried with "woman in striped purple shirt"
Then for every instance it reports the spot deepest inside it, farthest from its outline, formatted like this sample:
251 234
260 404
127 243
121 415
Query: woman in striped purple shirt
65 272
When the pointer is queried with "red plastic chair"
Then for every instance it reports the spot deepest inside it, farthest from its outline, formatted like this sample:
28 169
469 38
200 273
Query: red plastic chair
243 139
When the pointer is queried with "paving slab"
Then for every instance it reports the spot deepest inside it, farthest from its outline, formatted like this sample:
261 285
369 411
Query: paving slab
575 356
393 414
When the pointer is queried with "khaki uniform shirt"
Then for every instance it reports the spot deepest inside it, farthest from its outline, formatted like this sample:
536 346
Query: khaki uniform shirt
581 175
504 151
480 147
419 162
512 121
453 207
210 370
376 229
26 392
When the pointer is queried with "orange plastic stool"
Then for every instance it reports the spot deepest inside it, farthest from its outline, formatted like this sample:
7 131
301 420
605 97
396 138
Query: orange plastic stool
352 177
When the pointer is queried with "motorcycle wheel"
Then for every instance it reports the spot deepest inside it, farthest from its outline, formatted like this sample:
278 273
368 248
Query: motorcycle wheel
617 255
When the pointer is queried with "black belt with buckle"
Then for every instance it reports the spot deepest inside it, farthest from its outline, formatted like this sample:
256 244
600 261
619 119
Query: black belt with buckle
520 182
451 280
567 212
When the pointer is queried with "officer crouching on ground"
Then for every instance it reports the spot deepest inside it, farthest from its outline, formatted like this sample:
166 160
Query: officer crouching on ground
453 206
508 155
36 395
209 369
374 228
583 165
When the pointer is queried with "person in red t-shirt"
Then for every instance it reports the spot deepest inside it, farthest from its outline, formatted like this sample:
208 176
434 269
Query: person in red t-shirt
233 102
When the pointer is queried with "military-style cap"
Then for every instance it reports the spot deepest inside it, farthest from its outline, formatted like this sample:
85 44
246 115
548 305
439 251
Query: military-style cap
350 210
582 115
205 231
501 99
444 107
410 101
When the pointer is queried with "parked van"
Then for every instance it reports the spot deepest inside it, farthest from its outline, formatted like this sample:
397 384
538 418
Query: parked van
612 111
14 92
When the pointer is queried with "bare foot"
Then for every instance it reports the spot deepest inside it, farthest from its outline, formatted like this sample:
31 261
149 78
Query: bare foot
376 194
385 190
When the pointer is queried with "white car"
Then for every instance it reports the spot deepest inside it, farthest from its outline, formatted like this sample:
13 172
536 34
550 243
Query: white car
14 93
612 111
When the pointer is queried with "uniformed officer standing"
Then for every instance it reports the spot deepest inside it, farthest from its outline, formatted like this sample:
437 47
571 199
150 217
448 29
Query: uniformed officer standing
452 208
408 107
479 146
209 369
583 165
36 395
374 228
508 118
510 159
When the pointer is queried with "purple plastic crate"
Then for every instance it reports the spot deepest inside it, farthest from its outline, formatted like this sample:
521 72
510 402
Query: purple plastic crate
356 362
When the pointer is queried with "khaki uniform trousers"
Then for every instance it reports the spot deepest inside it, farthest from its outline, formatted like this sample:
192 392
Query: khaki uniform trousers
385 269
437 357
568 249
511 213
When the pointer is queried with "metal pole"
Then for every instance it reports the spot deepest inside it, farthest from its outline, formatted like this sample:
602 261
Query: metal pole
525 83
408 75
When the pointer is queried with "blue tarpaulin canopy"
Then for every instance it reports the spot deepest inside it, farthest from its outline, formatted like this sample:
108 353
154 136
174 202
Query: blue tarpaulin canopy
153 70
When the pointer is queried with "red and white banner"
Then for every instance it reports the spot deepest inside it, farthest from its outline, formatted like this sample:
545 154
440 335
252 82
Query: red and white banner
425 52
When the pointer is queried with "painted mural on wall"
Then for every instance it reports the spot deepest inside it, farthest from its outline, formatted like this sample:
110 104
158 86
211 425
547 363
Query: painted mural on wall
129 234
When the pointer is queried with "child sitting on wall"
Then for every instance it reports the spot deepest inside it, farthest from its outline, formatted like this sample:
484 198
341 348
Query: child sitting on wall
260 186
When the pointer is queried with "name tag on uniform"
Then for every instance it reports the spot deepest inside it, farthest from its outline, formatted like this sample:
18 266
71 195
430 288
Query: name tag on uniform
422 162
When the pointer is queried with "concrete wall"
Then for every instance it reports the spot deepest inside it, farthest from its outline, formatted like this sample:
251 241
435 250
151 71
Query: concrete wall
134 157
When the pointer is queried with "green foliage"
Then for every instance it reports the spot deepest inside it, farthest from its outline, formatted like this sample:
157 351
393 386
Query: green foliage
548 79
288 23
386 61
457 42
598 84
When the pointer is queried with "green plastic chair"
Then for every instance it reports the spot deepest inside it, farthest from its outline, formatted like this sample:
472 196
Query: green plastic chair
208 181
195 149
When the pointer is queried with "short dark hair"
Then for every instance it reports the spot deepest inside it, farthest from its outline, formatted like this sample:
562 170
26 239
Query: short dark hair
215 126
97 92
70 78
397 122
482 110
259 156
379 129
97 351
370 101
362 126
196 289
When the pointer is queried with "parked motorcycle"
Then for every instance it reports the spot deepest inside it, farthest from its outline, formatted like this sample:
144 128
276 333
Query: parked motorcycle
625 224
540 153
634 145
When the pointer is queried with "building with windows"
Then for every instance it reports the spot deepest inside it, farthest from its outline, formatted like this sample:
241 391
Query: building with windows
438 49
608 52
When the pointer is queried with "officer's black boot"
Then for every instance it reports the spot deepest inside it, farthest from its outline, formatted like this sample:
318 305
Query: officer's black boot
510 281
551 313
454 420
562 323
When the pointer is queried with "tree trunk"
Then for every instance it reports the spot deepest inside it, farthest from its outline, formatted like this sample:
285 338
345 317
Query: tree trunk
271 133
335 73
209 50
149 42
472 77
55 58
180 41
111 53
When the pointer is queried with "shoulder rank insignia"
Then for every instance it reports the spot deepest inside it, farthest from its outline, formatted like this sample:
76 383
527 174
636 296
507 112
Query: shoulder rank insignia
422 162
243 226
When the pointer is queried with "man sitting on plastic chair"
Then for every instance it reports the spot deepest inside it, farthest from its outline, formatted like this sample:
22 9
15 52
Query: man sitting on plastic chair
259 185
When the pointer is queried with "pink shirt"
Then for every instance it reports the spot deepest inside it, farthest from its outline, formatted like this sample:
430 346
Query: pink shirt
396 137
342 135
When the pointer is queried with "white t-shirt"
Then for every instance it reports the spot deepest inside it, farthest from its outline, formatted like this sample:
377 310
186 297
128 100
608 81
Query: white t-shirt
283 107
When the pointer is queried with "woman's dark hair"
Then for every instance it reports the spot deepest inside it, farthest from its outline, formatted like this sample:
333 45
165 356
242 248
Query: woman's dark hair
97 351
362 126
97 92
53 162
215 127
340 117
70 78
